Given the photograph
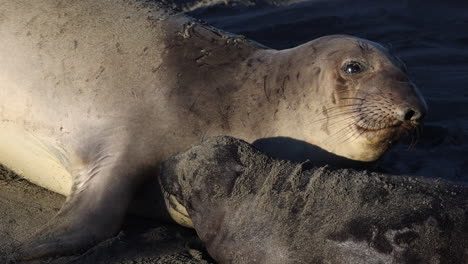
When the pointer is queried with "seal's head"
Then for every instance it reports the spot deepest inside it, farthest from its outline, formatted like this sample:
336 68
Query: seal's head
358 94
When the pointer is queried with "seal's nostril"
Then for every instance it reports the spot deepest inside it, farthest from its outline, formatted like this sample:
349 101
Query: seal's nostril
410 115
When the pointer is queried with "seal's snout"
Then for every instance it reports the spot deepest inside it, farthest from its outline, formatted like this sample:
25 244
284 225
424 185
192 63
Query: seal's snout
415 108
413 114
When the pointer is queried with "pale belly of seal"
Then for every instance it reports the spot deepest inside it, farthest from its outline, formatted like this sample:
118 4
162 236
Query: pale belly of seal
37 160
43 163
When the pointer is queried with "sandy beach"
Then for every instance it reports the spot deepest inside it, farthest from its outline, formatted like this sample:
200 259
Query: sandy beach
24 208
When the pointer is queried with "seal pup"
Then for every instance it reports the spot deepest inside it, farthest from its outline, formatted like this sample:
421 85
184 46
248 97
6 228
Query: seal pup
250 208
94 94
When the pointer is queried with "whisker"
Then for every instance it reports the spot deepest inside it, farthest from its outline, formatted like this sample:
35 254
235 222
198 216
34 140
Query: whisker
356 91
365 109
375 121
356 137
352 98
414 140
345 138
380 121
411 145
341 106
346 126
342 138
366 123
343 120
350 111
418 135
344 113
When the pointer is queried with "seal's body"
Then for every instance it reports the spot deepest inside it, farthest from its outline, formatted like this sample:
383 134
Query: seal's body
94 94
250 208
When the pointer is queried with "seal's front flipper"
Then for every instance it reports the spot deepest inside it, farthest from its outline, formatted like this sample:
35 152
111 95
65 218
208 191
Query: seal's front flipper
93 212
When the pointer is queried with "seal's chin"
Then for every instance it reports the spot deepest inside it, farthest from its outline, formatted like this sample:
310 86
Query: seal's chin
368 142
384 137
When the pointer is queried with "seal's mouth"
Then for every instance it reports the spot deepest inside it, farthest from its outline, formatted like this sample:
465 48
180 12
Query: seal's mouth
390 132
394 124
372 120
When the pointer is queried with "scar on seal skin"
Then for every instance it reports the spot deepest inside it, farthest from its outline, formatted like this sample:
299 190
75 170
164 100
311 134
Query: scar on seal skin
95 94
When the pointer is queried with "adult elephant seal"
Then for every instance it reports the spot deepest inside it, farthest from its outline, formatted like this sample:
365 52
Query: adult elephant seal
249 208
94 94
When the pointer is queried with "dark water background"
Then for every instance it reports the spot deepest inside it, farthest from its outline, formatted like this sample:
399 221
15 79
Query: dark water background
430 36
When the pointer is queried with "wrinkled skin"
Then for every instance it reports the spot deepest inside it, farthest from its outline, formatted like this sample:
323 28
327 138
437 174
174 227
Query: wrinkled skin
94 94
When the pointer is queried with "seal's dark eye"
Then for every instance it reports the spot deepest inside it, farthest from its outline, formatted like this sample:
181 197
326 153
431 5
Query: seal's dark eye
353 67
